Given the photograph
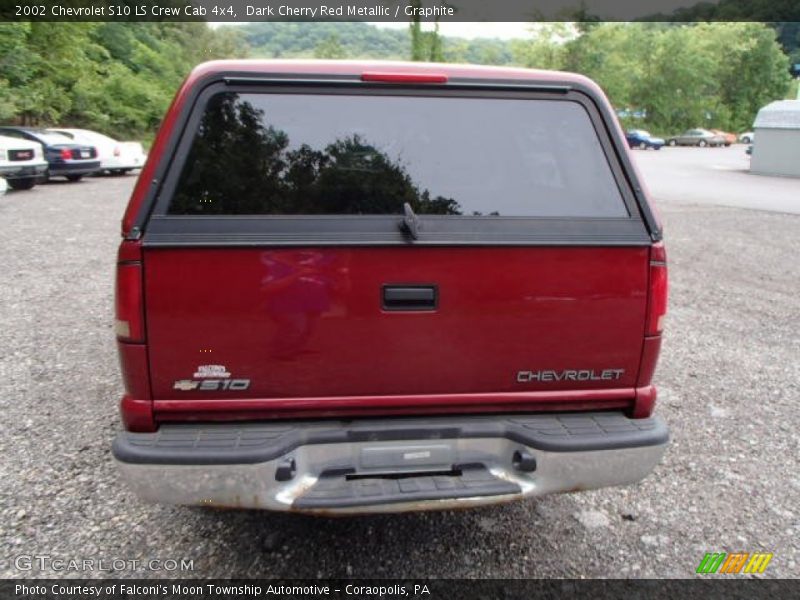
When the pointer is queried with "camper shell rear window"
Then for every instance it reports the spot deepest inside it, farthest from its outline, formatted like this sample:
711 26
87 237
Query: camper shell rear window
290 154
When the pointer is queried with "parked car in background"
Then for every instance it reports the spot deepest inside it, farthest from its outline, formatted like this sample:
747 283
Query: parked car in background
747 137
639 138
22 162
115 157
729 138
696 137
65 157
3 186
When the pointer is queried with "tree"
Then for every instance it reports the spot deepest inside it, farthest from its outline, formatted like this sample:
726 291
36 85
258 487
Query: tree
425 45
329 48
750 70
690 75
547 47
115 77
118 77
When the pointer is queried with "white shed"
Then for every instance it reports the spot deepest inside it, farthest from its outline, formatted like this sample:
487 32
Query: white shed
776 147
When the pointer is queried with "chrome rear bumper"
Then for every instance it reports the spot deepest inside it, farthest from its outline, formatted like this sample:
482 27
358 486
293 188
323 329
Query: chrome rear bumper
388 465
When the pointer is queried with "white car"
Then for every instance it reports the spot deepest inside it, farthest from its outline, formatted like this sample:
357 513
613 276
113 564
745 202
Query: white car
747 137
115 157
3 186
22 162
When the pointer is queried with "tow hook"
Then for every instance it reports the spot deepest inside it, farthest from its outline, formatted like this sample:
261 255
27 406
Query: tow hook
524 461
286 470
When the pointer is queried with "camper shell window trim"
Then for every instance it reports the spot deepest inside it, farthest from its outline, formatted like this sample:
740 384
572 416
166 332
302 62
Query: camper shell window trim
163 229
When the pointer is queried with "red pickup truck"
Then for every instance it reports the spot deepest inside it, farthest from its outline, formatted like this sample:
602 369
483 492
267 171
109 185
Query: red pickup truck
349 287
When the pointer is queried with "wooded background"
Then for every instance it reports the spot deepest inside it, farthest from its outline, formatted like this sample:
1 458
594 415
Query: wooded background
118 78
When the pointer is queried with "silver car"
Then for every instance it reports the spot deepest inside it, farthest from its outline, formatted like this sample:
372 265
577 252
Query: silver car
696 137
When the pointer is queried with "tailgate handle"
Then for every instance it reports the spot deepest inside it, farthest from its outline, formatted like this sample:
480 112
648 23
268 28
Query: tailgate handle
410 297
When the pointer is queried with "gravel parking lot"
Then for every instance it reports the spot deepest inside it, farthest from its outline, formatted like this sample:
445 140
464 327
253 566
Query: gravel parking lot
729 382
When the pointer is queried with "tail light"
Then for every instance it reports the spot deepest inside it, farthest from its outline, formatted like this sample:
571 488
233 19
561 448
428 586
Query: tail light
66 153
405 77
117 151
136 407
129 324
657 300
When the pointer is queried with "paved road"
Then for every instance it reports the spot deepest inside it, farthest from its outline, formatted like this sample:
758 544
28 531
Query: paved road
729 380
715 176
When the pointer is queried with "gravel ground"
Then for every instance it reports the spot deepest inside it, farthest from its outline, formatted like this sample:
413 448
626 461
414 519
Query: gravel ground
729 387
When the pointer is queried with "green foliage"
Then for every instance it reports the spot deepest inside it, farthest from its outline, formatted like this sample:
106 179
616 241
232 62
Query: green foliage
788 11
714 75
425 45
362 40
792 94
682 75
119 77
115 77
303 40
478 51
546 49
750 71
330 48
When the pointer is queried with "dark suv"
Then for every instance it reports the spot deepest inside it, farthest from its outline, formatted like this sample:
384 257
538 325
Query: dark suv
358 287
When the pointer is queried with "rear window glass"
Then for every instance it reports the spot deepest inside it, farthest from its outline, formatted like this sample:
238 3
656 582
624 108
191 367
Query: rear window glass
285 154
53 138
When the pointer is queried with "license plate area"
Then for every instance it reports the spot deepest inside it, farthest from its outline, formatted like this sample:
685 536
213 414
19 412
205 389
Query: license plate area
338 489
21 154
403 458
452 472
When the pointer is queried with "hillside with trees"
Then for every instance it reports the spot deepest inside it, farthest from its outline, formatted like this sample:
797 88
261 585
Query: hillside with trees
114 77
714 75
362 40
782 15
118 78
677 75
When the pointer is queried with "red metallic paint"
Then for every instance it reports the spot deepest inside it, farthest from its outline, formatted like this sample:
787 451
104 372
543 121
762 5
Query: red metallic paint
650 352
137 414
541 399
283 408
645 402
133 365
129 251
307 328
136 407
309 323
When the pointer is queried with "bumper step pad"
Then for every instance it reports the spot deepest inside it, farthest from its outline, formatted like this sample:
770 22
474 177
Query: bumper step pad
337 491
239 443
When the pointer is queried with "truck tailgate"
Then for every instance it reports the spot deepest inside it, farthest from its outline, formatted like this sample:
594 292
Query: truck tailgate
314 323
